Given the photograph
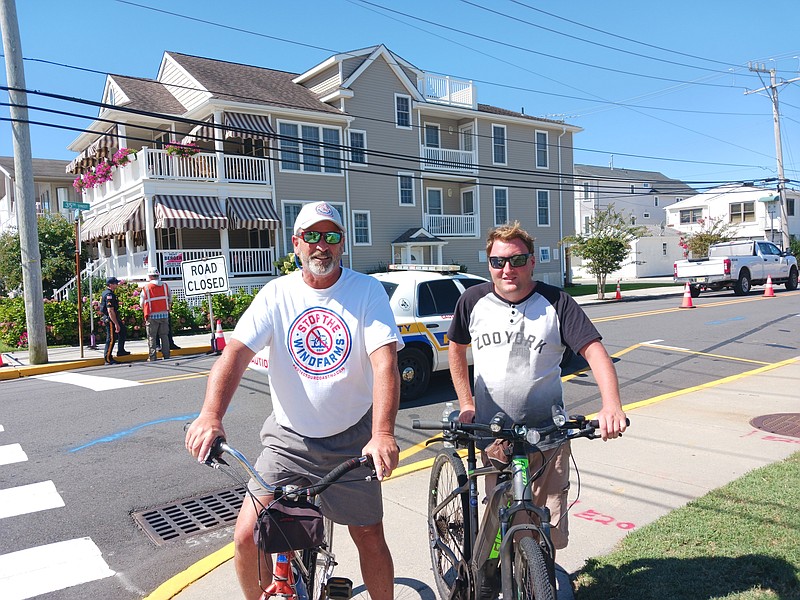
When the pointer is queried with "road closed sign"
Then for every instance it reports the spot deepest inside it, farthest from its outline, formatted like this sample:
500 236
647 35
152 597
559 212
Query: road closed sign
205 276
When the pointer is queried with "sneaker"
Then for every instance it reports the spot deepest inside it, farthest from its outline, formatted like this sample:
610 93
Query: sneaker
112 362
174 347
122 353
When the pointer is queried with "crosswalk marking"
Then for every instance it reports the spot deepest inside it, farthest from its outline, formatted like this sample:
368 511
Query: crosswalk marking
12 453
43 569
26 499
93 382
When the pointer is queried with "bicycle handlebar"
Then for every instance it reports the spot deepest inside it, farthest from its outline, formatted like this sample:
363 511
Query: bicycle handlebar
220 447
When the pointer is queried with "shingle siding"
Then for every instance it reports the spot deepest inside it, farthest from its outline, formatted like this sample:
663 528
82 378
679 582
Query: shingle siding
324 82
184 88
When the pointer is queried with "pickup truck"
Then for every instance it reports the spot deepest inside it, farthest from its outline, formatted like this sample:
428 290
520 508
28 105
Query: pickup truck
738 265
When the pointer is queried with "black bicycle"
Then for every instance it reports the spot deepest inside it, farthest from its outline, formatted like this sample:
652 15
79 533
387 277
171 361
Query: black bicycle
292 527
469 561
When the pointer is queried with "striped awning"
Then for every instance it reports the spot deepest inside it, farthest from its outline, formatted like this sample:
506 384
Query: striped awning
128 217
234 125
88 157
252 213
93 230
190 212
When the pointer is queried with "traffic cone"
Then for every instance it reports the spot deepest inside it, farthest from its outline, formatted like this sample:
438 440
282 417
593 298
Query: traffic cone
219 337
687 298
769 291
619 293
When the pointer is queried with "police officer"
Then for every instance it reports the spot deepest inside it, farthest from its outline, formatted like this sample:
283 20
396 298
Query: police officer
109 306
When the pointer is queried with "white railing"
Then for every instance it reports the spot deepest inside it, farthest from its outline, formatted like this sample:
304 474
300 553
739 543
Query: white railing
97 268
443 159
443 89
451 225
200 167
252 262
169 261
179 294
246 169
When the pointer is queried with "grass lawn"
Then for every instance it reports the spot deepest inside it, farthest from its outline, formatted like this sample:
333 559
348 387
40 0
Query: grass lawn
741 541
582 289
4 348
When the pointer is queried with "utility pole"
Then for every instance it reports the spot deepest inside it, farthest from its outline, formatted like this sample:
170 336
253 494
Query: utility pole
772 90
23 186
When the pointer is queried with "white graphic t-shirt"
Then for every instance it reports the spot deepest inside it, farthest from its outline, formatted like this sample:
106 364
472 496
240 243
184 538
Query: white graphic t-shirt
320 340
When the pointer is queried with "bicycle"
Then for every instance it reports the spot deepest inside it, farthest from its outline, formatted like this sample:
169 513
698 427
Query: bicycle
466 557
299 573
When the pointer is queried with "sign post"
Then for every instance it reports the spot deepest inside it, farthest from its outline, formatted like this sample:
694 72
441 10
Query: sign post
205 277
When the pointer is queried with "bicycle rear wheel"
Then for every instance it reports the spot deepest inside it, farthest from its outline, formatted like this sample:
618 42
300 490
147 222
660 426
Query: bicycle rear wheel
448 520
319 563
531 579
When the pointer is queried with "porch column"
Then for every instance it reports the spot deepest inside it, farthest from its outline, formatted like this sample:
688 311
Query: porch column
130 250
115 256
224 240
150 231
439 259
219 145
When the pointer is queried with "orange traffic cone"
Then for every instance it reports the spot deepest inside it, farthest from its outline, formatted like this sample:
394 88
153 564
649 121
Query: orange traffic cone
219 337
687 298
619 293
769 292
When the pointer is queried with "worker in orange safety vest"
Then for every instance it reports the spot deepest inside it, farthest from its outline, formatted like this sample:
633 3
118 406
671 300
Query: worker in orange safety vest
156 300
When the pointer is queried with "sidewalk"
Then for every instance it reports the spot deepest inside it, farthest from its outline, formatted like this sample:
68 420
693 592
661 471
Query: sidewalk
676 450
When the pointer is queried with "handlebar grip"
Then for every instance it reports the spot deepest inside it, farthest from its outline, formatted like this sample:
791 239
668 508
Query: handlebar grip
418 424
347 466
596 424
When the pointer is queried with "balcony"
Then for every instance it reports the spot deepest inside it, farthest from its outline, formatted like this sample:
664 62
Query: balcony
443 89
448 161
153 164
451 225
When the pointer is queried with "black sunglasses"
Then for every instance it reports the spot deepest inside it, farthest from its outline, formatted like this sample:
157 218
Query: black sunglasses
331 237
498 262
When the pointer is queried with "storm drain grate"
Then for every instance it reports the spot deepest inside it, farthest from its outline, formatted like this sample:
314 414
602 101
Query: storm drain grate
192 516
787 424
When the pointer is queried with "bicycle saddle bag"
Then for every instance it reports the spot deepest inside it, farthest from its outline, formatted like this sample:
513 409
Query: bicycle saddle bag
289 525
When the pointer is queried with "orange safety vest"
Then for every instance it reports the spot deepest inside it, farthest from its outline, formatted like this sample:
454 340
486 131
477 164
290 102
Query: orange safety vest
156 299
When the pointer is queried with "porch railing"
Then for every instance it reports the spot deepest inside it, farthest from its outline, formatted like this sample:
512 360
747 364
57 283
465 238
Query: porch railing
255 261
203 167
451 225
444 159
443 89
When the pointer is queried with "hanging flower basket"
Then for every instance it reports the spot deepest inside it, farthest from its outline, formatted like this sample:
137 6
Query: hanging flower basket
123 156
182 150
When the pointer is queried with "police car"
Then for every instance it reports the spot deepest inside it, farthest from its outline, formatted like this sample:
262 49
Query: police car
423 299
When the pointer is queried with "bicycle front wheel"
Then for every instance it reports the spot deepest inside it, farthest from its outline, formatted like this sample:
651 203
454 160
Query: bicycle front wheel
531 579
448 520
319 563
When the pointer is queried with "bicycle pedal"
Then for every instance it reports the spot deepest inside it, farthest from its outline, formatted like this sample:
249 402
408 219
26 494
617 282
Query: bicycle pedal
339 588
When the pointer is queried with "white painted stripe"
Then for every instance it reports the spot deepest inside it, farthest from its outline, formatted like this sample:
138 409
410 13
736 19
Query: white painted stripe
12 453
31 498
1 428
43 569
93 382
653 342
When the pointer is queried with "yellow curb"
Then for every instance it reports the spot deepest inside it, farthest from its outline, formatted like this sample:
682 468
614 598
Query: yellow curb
175 584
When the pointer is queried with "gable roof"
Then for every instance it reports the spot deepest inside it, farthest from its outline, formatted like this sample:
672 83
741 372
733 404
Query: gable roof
43 168
148 95
240 83
668 186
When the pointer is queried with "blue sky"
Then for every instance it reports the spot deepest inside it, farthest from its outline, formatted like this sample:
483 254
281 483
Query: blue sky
664 92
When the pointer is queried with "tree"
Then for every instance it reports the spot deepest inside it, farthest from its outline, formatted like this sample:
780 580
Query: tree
606 245
712 231
57 247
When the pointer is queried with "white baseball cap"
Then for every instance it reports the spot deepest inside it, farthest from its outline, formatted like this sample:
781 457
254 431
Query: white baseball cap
153 271
315 212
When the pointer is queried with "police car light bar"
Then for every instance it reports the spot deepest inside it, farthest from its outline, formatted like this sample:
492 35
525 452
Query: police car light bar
433 268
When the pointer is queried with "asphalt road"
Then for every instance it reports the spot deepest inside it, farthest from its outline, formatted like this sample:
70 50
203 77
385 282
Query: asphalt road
110 453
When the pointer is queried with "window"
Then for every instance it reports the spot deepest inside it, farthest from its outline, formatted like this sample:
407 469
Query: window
743 212
405 183
646 215
543 208
663 249
301 149
432 136
251 147
789 206
655 200
466 141
646 185
358 147
62 195
587 224
434 196
633 189
678 198
500 206
633 220
402 106
468 202
437 297
542 150
499 144
691 215
362 232
544 254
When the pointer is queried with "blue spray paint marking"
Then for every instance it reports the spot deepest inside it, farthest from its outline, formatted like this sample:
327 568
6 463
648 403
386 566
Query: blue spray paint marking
724 321
120 434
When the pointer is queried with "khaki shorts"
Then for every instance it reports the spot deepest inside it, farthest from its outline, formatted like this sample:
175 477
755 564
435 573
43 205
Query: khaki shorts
289 458
550 489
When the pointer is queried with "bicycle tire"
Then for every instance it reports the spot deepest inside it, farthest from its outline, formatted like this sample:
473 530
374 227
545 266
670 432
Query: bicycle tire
531 577
448 524
317 564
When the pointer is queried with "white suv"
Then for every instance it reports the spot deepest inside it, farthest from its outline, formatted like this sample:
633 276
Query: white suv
423 299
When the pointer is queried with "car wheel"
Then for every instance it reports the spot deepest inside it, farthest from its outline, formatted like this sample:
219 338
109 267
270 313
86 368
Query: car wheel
415 373
742 286
791 283
694 290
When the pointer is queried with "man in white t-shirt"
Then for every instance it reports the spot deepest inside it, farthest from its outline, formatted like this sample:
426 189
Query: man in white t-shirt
335 391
